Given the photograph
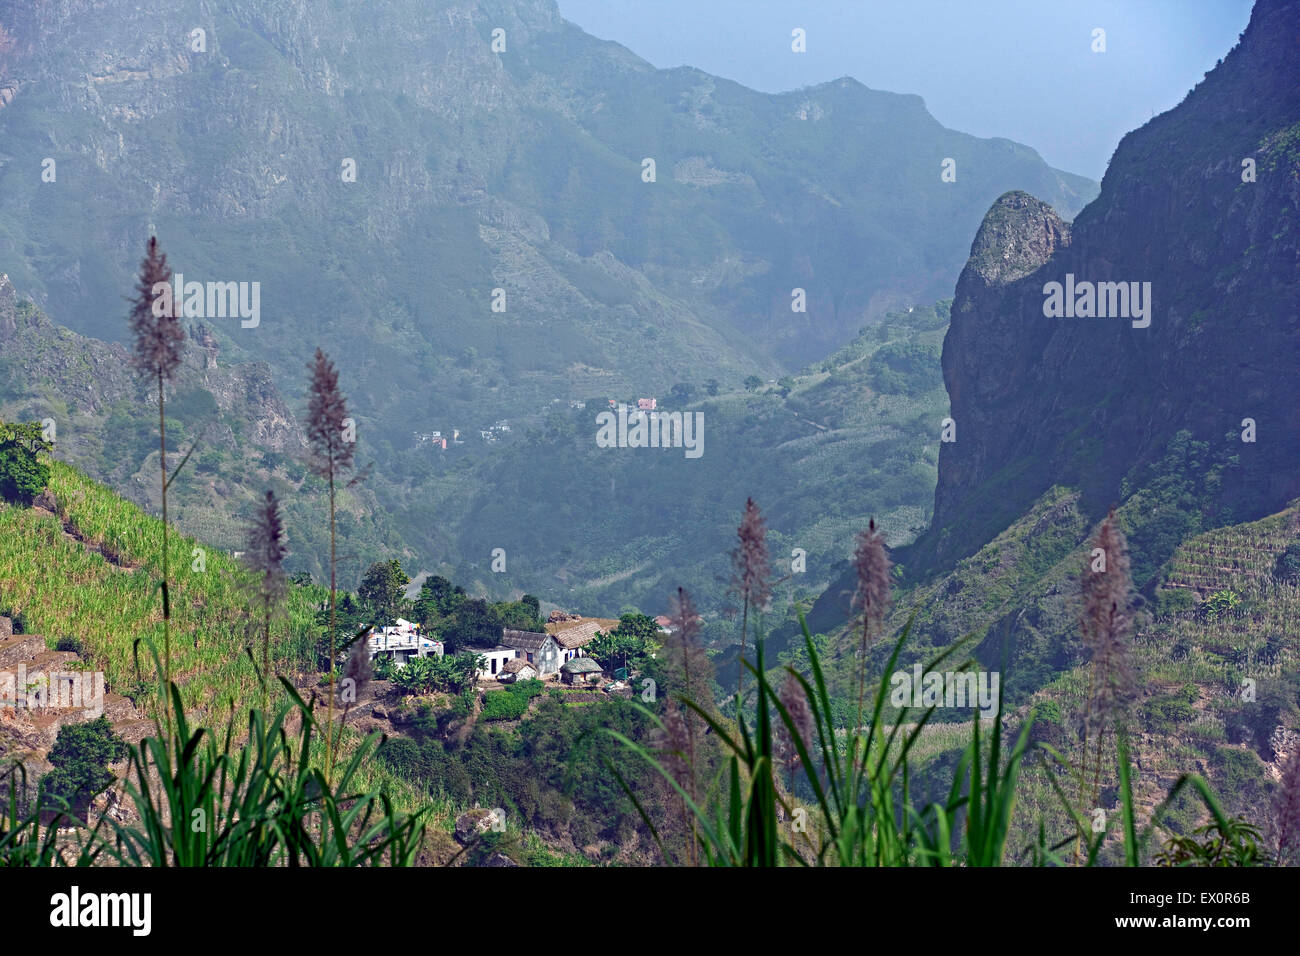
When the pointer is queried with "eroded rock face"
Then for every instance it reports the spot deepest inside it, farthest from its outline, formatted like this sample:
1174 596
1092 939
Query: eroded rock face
1089 401
8 304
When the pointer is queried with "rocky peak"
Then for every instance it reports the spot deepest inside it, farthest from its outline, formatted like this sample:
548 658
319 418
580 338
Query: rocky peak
1089 399
1019 233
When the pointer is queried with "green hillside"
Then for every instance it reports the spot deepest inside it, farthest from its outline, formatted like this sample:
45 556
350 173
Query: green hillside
87 568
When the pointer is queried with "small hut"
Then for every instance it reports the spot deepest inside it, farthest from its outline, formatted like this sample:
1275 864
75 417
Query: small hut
516 669
580 670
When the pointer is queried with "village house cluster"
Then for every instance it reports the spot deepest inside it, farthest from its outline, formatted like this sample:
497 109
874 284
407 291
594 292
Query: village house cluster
559 651
495 431
437 439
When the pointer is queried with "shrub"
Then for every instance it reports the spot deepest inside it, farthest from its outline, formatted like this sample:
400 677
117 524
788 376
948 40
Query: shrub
1220 602
1287 567
1170 710
527 688
1174 601
385 669
79 756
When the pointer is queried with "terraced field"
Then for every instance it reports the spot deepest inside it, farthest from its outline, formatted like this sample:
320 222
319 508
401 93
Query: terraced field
86 565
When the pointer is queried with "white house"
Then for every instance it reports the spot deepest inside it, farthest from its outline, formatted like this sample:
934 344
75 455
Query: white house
401 642
497 657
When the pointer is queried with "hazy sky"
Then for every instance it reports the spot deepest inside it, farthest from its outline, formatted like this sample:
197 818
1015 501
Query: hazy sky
1022 69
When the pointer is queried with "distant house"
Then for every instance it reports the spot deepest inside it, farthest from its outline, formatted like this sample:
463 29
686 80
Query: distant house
539 649
517 669
646 404
401 642
580 670
430 438
665 624
497 659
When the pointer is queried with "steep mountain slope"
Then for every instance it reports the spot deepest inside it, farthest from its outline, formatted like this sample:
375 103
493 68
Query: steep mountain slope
519 170
1090 401
105 421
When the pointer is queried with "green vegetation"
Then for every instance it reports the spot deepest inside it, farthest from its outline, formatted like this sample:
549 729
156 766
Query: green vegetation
23 475
451 673
80 756
629 645
97 579
384 587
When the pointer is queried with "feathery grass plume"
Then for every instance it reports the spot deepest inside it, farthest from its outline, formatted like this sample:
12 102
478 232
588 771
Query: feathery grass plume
1286 808
331 455
872 567
751 576
1107 626
682 651
159 341
672 740
265 555
794 698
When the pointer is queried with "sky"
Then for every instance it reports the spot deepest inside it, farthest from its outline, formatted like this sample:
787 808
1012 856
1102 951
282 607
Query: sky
1020 69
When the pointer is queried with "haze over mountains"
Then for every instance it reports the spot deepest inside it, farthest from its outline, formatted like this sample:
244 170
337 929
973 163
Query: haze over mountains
1085 461
520 171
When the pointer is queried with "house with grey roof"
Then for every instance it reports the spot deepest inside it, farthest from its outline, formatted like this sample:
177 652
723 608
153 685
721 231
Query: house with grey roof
539 649
580 670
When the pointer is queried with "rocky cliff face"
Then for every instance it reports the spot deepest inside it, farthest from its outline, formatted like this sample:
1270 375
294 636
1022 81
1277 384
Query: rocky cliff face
1201 204
8 305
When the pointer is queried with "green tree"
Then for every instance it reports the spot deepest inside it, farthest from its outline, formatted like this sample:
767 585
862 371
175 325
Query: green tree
80 755
629 644
752 383
23 475
384 587
437 599
638 626
711 386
